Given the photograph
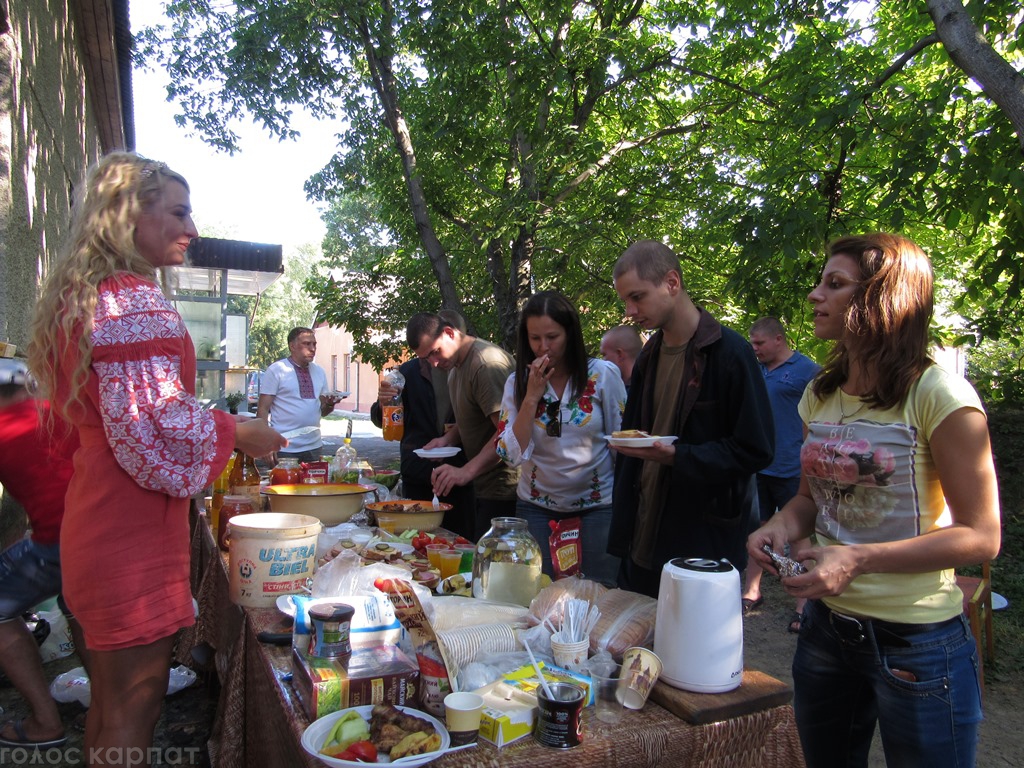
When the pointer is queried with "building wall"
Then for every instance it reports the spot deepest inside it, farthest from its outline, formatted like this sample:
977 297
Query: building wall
48 138
344 371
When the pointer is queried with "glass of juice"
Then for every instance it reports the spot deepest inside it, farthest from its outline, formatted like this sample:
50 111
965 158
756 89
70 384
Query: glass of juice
434 554
450 559
467 551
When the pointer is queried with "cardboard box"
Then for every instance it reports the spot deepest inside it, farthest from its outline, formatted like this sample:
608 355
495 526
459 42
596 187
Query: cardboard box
525 679
381 675
508 714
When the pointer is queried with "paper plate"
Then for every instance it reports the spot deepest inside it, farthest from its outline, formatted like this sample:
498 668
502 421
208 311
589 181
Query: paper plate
640 442
437 453
999 602
314 736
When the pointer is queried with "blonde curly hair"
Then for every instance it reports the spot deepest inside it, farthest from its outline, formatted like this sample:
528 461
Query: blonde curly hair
101 244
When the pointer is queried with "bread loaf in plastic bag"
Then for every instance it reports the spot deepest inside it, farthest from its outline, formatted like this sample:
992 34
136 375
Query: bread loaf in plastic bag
627 619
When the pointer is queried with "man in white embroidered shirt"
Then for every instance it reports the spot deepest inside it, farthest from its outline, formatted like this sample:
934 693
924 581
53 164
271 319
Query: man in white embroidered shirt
294 395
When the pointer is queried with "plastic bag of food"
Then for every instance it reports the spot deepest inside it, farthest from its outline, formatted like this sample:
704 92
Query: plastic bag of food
627 619
565 545
549 601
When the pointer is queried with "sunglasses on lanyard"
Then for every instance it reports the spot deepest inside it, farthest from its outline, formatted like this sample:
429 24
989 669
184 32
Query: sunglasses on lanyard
554 414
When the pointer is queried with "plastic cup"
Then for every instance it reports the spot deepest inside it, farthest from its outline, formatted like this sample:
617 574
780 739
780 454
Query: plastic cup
604 685
434 554
450 560
570 655
466 563
462 716
640 670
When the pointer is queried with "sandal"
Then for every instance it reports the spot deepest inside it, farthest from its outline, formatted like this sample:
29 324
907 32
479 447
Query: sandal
22 740
796 624
751 605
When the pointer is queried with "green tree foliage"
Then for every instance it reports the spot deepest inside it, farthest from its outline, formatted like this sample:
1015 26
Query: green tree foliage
283 306
489 149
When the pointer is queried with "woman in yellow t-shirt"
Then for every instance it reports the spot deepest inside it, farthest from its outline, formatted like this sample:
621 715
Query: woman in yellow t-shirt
897 488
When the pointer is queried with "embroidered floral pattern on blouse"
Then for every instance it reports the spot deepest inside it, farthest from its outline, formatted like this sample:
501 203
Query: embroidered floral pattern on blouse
157 431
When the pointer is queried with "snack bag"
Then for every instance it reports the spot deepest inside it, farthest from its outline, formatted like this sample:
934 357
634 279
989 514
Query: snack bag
566 551
435 679
314 472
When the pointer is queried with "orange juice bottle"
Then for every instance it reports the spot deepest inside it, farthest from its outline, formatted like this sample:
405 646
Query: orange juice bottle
220 488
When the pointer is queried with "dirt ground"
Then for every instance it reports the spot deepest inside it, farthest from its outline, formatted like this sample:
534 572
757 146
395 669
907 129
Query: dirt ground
767 646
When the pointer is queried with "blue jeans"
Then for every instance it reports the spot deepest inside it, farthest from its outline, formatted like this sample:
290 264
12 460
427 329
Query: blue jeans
29 574
595 564
774 492
842 688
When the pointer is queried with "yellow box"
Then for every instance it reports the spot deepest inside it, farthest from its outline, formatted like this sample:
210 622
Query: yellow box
508 714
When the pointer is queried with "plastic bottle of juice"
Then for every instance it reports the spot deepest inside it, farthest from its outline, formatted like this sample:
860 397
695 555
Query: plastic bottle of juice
220 488
393 414
245 478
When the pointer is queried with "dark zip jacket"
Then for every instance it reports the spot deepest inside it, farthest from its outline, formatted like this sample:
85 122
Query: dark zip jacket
726 435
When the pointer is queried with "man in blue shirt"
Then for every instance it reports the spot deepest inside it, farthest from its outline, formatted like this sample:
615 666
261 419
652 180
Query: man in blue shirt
786 374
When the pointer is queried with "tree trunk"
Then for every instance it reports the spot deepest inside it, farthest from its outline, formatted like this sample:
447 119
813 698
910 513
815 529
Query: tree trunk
384 83
970 51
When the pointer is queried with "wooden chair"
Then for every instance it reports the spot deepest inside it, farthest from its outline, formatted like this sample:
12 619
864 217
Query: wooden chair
978 607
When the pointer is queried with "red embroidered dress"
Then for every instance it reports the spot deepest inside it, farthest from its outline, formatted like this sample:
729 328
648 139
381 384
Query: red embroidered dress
147 445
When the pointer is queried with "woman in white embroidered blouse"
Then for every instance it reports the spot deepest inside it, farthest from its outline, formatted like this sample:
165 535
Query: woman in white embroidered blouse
558 407
114 357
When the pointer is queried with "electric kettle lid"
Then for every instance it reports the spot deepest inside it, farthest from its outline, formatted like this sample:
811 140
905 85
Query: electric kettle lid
700 565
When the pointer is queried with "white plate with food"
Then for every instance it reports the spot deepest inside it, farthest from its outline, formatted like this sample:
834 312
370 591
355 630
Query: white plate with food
639 441
417 735
438 453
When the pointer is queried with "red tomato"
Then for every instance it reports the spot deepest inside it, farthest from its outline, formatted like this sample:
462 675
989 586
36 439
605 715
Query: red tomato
364 752
336 752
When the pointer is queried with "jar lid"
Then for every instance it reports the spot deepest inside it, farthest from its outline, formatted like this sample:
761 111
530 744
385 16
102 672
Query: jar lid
238 499
332 612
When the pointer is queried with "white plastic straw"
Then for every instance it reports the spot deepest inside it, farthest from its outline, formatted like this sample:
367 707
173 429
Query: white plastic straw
540 675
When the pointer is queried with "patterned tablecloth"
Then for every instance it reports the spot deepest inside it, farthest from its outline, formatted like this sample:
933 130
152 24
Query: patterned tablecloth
260 719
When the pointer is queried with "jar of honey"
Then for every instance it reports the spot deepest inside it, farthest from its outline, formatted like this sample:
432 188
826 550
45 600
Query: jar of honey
286 472
233 505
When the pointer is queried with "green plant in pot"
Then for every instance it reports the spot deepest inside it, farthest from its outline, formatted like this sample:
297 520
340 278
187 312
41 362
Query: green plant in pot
234 399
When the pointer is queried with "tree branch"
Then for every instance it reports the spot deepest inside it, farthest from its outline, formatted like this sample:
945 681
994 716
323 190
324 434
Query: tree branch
970 51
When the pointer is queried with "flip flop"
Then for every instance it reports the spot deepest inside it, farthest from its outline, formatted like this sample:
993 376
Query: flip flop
25 742
750 605
795 624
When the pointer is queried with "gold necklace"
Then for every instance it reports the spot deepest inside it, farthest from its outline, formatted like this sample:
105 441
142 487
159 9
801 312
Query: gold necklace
842 411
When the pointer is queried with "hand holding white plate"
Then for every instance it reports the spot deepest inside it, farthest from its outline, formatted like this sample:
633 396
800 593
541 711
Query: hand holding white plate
640 442
437 453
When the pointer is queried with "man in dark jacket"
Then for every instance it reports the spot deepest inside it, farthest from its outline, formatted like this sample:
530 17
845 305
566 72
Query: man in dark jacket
698 381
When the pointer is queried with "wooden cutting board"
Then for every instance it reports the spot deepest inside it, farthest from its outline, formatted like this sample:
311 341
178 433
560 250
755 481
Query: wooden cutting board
758 691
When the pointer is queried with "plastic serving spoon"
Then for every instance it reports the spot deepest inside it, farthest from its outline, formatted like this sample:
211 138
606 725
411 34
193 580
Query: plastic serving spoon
433 755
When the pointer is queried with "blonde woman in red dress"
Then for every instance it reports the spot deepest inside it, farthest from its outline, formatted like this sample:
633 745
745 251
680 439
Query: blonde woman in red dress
114 357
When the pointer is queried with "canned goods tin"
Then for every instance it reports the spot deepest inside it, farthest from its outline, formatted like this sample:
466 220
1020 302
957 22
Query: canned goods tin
560 716
329 631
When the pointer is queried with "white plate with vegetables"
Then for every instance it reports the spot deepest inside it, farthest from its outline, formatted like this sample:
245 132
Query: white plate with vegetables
347 732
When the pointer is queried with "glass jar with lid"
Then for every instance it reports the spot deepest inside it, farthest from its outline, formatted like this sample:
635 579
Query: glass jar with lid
287 471
507 565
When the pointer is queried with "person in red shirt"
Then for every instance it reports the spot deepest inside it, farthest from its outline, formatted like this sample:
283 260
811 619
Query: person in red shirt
36 475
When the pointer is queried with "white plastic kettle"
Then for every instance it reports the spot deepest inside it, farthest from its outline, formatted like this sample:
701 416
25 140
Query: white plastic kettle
699 631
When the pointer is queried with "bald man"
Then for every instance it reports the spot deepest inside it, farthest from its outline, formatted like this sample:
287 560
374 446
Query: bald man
620 346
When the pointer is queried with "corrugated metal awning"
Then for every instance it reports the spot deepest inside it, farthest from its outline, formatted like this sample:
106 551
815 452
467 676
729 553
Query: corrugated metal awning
251 267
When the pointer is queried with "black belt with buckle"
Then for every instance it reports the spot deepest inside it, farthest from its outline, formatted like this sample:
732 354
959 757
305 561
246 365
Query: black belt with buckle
854 631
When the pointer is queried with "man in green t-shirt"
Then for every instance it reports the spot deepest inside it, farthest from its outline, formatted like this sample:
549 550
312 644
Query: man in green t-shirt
477 371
